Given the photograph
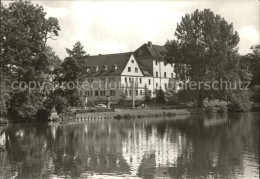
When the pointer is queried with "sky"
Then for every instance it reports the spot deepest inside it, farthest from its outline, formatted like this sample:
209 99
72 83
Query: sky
105 27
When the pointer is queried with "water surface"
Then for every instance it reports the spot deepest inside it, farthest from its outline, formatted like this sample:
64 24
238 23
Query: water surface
200 146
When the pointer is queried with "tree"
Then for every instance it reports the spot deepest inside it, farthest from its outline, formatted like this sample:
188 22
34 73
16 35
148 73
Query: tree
77 50
254 56
147 94
71 70
25 55
175 56
160 96
208 46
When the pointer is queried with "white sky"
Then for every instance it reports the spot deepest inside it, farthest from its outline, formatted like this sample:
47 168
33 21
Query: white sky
120 26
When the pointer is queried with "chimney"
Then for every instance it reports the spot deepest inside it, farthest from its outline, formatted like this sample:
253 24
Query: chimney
150 44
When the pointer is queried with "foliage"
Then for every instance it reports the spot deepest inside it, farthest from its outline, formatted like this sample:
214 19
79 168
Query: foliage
90 103
71 70
160 96
255 56
253 62
26 57
173 100
206 49
77 51
240 101
123 99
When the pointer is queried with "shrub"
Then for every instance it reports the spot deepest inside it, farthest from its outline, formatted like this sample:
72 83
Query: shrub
173 100
160 96
240 101
222 109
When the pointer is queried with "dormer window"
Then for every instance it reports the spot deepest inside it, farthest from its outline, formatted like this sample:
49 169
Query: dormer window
105 68
114 67
95 68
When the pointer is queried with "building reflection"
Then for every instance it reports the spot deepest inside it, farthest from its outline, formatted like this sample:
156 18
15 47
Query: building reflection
153 150
195 147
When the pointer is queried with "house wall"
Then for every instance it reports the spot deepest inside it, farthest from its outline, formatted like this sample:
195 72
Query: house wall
159 71
132 64
139 88
123 82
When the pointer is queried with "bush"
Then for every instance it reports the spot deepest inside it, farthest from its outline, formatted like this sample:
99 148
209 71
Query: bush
240 101
160 96
222 109
173 100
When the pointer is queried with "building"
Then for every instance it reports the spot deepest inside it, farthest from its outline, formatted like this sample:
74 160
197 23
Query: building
116 75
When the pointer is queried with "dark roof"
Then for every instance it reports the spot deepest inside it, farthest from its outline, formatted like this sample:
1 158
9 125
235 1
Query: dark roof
119 59
153 51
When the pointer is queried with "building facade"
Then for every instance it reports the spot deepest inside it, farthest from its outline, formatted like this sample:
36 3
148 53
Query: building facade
128 74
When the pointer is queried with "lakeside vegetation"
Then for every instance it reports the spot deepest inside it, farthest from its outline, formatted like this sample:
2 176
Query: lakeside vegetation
205 49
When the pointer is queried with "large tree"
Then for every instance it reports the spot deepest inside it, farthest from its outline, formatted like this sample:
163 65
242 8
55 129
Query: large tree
71 70
25 55
208 47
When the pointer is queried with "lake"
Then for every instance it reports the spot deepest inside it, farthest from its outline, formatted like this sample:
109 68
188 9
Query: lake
198 146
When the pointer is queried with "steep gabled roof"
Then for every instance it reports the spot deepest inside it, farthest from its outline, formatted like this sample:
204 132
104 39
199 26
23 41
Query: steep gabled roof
109 60
151 51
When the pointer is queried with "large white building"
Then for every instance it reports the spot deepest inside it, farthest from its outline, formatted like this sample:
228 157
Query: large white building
115 75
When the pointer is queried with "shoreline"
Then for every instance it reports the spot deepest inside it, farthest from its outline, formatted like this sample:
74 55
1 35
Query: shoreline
127 114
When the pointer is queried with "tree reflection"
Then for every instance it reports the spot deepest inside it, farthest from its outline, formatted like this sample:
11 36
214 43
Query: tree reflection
224 146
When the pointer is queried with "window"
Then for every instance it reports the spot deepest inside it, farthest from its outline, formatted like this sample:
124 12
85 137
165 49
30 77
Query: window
136 92
132 61
90 93
111 79
164 74
141 92
156 74
156 62
140 80
136 70
149 81
129 69
130 80
165 86
103 93
96 93
103 80
112 92
126 92
86 93
156 85
80 93
130 92
125 79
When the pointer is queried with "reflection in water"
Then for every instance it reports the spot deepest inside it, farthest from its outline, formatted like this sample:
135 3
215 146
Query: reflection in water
212 146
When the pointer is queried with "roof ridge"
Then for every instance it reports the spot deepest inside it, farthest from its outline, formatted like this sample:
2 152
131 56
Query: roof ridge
109 54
